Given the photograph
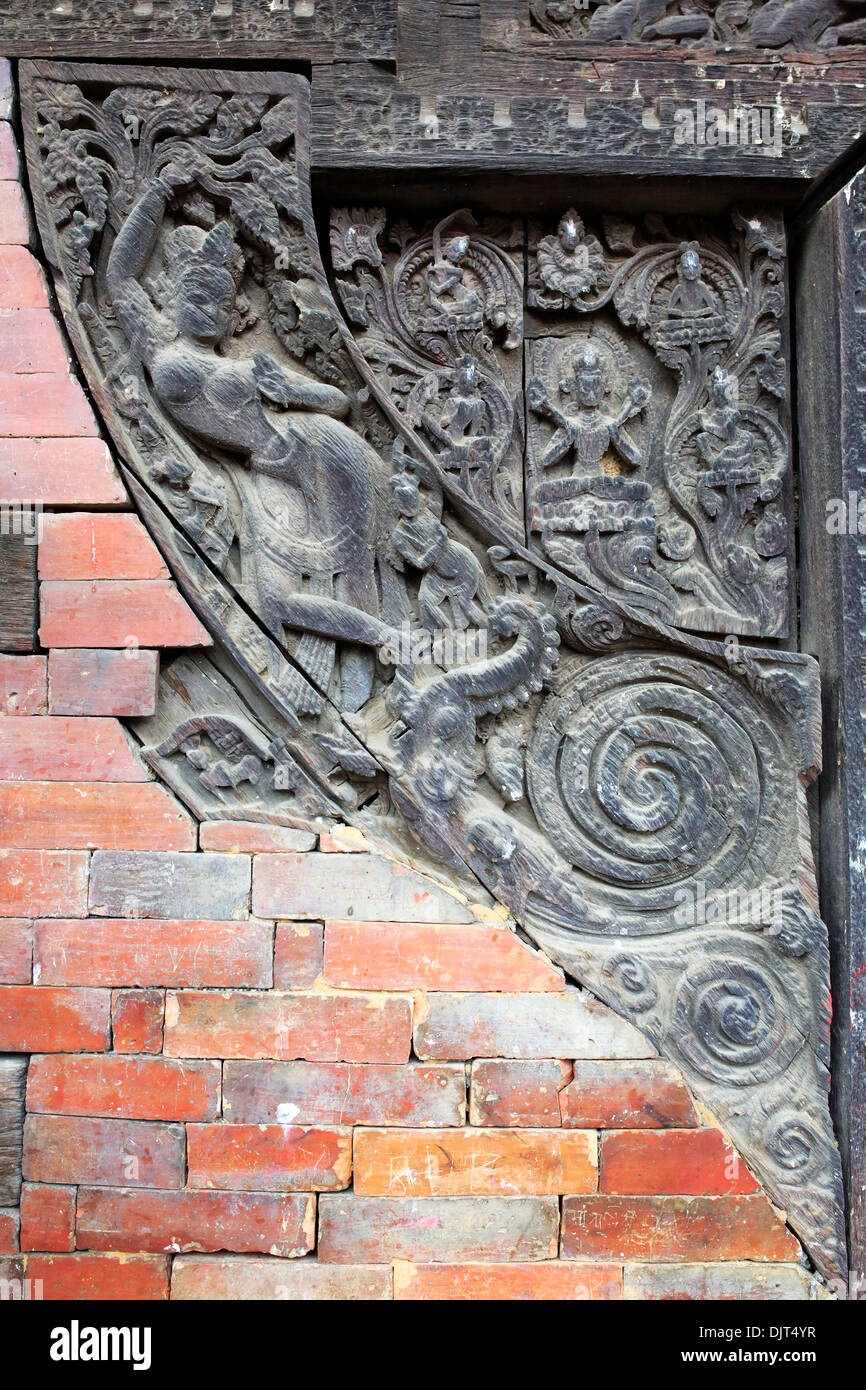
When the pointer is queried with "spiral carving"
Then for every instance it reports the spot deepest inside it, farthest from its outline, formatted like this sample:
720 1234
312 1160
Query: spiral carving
631 982
730 1021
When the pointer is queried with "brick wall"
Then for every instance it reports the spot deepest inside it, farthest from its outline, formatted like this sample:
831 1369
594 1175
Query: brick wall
262 1066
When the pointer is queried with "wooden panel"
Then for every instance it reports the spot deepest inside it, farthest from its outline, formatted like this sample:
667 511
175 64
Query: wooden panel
19 609
13 1075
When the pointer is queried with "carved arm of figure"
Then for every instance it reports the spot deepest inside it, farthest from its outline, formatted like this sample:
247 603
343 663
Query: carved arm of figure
132 250
287 388
563 439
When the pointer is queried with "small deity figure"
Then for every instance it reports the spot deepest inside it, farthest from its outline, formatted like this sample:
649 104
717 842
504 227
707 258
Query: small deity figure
691 298
460 427
591 430
448 295
451 574
570 264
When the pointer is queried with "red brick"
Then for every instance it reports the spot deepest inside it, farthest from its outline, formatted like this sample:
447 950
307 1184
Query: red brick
47 1217
720 1282
339 1093
269 1158
97 545
60 472
112 1278
131 1088
88 681
517 1093
22 284
57 749
16 951
23 688
14 221
447 1230
525 1026
150 951
473 1162
30 342
9 1231
406 955
365 886
247 1277
41 403
38 883
9 165
298 954
250 837
674 1228
35 1019
92 815
172 1221
110 1153
310 1027
627 1095
137 1017
683 1162
117 613
552 1280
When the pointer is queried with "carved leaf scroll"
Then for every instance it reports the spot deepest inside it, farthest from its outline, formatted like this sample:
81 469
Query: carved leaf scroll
346 517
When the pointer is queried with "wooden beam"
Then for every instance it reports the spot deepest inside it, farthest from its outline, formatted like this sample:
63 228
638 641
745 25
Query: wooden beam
19 606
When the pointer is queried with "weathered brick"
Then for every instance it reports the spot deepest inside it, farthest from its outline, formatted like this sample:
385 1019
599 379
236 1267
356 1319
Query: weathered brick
512 1094
12 1271
359 885
298 954
153 951
343 839
719 1282
43 403
88 681
36 1019
474 1162
651 1229
627 1095
9 164
57 749
40 883
23 688
302 1281
682 1162
310 1027
93 815
376 1230
47 1217
137 1018
552 1280
101 1277
441 956
201 887
13 1077
14 218
128 1219
9 1231
97 545
111 1153
59 472
338 1093
131 1088
30 342
22 284
117 613
524 1026
269 1158
250 837
16 951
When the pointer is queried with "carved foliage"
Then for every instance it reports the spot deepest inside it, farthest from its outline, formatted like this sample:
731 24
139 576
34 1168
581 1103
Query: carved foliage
776 24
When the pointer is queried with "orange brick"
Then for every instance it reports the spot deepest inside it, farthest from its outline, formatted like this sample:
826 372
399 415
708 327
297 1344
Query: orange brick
298 949
627 1095
35 1019
249 837
60 472
473 1162
40 403
23 688
16 951
22 284
269 1158
683 1162
9 1232
156 1221
117 613
47 1217
651 1229
30 342
14 221
110 1153
114 951
38 883
88 681
552 1280
344 839
56 749
132 1088
508 1094
137 1017
312 1027
434 956
92 815
113 1278
97 545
